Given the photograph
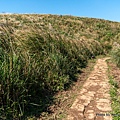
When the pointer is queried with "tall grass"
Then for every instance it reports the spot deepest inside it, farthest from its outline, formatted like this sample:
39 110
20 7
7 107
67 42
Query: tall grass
35 64
116 53
116 57
41 54
115 101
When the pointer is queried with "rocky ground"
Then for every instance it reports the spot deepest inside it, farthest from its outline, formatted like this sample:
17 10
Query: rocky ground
93 101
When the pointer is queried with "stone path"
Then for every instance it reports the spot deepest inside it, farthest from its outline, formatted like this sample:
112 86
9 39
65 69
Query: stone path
93 101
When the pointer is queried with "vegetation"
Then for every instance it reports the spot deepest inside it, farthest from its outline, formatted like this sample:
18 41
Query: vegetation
115 100
114 93
116 54
41 54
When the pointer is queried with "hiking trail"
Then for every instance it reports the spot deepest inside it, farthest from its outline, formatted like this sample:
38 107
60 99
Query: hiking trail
93 101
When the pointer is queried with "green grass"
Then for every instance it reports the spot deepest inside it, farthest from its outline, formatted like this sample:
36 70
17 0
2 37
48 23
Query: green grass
36 66
41 54
116 56
115 98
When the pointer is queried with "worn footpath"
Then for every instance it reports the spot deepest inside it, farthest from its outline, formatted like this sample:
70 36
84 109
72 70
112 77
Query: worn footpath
93 101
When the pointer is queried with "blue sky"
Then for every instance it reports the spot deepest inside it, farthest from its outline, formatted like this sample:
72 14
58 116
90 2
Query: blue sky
105 9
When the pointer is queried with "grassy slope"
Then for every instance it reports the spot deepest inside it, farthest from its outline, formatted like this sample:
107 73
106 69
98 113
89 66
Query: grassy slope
114 78
45 52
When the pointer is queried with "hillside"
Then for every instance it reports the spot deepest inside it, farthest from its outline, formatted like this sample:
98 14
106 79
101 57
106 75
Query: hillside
43 54
67 26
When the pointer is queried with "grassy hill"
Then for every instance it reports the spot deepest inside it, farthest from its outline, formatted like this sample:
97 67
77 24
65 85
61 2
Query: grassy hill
42 54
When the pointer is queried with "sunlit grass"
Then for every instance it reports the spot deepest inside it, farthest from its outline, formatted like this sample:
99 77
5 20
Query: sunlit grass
42 54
